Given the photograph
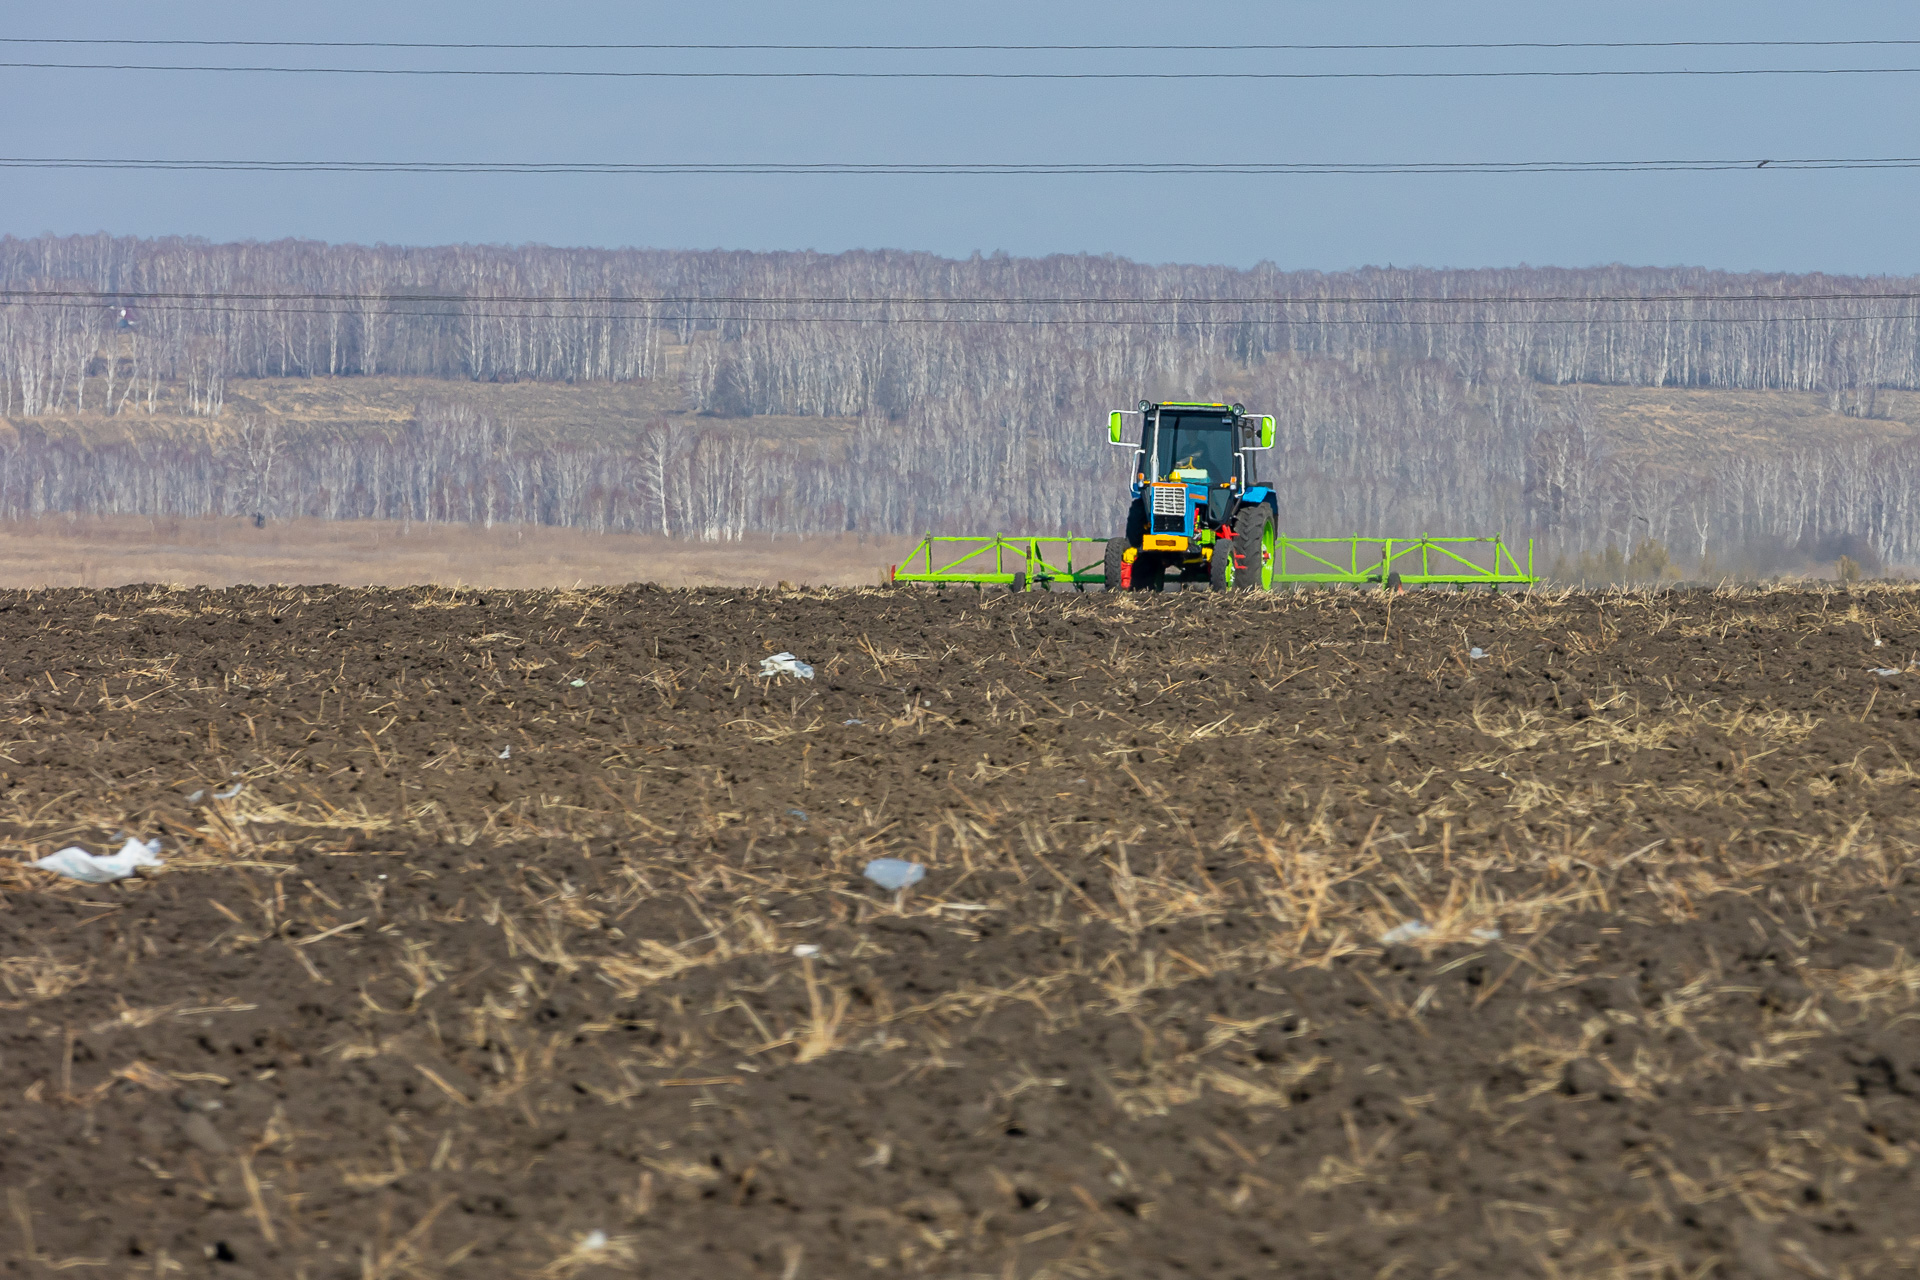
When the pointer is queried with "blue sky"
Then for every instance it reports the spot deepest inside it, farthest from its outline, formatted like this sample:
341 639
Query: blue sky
1836 221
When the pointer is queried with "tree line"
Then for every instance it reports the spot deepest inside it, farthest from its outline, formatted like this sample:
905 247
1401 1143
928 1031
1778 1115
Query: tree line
1396 450
1396 416
531 312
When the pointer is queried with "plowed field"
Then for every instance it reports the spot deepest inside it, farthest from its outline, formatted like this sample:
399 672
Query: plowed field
524 934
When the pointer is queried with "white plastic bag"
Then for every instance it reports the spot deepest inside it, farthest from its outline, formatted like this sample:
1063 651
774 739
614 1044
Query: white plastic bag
1406 931
785 664
894 873
77 864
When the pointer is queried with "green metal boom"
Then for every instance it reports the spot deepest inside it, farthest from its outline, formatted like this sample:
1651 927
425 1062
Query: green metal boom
1416 560
1035 562
1040 561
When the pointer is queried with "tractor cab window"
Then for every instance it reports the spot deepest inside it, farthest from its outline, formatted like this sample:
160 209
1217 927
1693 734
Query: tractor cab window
1193 446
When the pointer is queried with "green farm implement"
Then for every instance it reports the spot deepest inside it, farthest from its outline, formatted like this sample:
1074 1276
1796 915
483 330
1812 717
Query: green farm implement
1460 562
1024 563
1198 512
1017 563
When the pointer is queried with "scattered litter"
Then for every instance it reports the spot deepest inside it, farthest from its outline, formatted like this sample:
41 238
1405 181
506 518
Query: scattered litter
1485 935
77 864
581 684
230 792
1406 931
806 950
1877 642
1888 671
797 813
894 873
594 1241
853 722
1476 652
196 797
785 664
506 753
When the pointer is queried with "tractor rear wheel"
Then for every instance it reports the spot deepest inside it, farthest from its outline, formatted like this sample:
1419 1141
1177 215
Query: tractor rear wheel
1253 542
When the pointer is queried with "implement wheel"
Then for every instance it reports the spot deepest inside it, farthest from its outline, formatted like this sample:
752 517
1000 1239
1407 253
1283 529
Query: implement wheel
1252 555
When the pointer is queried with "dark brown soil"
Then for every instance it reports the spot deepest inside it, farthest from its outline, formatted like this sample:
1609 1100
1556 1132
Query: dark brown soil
489 967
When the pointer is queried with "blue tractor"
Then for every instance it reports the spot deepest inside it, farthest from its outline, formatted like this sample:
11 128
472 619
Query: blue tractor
1199 512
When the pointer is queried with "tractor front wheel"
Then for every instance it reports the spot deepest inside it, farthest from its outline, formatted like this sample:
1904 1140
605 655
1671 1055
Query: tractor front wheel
1116 565
1220 568
1145 572
1252 553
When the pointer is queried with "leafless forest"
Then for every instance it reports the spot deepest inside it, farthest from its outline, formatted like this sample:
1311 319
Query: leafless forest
1397 416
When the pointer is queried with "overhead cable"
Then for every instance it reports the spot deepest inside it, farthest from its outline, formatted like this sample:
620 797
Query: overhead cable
958 48
584 74
143 297
1174 168
1174 321
669 319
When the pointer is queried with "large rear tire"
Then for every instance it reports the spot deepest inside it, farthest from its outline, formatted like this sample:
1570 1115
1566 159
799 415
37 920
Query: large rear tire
1253 542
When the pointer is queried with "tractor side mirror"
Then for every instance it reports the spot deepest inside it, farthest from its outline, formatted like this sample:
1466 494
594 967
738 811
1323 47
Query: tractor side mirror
1266 431
1115 422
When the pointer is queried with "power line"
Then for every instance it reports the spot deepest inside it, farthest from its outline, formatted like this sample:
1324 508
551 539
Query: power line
530 73
668 319
1169 168
108 297
964 48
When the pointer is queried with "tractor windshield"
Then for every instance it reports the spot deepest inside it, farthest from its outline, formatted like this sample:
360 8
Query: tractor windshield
1198 445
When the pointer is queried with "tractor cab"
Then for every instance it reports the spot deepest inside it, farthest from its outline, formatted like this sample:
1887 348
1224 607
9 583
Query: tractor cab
1194 487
